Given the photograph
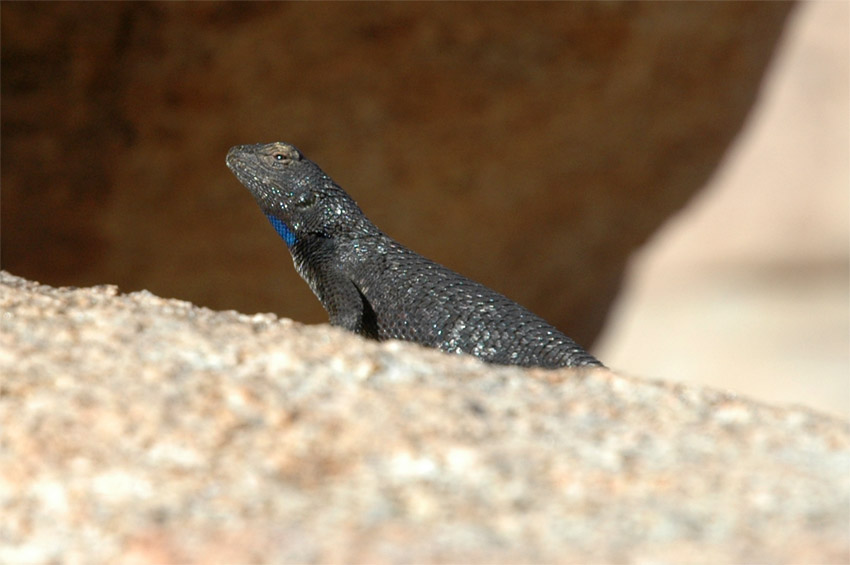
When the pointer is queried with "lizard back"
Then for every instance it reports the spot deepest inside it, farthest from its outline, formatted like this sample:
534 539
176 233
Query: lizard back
416 299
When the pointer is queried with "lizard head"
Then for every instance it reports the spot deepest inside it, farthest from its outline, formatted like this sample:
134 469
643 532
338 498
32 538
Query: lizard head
298 198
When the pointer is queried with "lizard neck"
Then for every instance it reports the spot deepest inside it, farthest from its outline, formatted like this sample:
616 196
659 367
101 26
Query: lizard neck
283 230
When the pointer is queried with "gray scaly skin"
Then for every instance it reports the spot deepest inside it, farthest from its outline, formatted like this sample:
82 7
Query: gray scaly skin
374 286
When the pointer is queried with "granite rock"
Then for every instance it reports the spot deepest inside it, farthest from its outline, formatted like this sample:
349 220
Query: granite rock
137 429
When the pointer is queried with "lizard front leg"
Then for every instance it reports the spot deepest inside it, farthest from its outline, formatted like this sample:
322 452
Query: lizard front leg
345 304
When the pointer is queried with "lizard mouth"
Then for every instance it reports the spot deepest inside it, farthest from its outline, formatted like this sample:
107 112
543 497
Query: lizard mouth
244 165
237 161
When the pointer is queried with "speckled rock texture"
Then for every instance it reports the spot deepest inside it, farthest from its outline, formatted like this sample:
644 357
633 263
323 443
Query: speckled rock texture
137 429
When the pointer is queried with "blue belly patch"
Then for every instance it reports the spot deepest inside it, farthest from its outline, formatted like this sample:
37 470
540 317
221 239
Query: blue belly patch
283 230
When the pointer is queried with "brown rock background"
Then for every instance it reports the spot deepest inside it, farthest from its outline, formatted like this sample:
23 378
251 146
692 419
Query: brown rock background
530 146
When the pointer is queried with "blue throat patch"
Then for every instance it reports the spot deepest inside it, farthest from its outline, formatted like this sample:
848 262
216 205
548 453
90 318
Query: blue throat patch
283 230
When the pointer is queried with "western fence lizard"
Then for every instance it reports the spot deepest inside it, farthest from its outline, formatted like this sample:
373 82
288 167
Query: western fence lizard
374 286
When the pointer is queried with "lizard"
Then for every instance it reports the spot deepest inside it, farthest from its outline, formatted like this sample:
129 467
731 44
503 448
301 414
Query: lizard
374 286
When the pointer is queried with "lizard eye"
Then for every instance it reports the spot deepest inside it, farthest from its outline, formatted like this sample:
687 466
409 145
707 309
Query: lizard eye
279 157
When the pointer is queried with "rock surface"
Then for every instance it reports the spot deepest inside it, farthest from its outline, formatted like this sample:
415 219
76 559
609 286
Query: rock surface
136 429
530 146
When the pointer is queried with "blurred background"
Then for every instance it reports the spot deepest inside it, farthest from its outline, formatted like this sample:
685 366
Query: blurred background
748 285
666 181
